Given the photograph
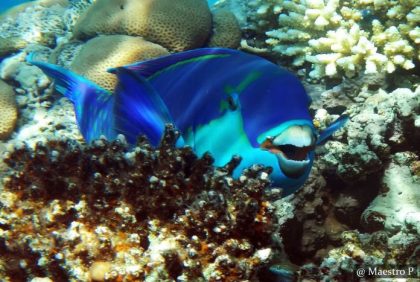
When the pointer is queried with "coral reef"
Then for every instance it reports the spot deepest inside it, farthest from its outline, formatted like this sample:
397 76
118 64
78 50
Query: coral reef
106 51
74 11
64 54
11 45
383 124
332 228
334 37
43 114
39 22
397 206
8 110
183 26
226 30
360 207
106 212
365 251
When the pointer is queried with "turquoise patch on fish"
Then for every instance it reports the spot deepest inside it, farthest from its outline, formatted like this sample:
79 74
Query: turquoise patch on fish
223 101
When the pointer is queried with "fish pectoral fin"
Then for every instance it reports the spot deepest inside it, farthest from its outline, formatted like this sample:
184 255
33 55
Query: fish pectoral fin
138 108
336 125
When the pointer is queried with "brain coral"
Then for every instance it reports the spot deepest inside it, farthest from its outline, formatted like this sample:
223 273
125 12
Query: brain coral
226 30
185 25
8 110
107 51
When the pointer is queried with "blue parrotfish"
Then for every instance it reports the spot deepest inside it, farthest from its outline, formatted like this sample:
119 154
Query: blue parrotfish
225 102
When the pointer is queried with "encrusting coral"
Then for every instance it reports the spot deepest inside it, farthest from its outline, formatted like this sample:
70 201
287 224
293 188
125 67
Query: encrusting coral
179 27
107 51
8 110
226 30
106 212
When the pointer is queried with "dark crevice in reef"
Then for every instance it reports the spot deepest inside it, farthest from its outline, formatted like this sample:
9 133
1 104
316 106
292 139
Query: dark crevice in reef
363 192
321 217
24 262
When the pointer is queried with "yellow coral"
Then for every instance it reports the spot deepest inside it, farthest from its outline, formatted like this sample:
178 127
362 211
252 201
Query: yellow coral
98 270
8 110
185 25
10 45
226 30
107 51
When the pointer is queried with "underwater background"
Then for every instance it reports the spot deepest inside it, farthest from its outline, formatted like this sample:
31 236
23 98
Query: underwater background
7 4
71 211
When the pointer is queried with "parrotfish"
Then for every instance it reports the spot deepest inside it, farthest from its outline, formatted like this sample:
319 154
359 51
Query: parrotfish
225 102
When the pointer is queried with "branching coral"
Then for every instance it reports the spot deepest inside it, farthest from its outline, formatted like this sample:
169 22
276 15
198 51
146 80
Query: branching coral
108 212
337 37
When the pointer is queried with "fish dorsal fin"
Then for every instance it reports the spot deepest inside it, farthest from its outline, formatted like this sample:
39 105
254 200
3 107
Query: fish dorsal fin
146 69
138 108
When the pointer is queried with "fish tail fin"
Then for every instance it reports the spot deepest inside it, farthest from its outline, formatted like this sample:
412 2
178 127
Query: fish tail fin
336 125
69 84
93 105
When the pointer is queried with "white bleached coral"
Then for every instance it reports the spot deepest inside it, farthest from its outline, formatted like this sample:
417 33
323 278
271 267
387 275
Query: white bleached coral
397 206
335 37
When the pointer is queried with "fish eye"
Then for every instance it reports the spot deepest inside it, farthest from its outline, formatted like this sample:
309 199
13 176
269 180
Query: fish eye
232 104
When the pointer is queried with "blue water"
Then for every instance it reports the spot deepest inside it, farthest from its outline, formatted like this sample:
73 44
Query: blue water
7 4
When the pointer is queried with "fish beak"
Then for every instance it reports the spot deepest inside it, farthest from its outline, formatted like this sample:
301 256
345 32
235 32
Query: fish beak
292 147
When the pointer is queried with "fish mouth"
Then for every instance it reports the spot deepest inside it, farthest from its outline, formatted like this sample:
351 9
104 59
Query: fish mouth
292 147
